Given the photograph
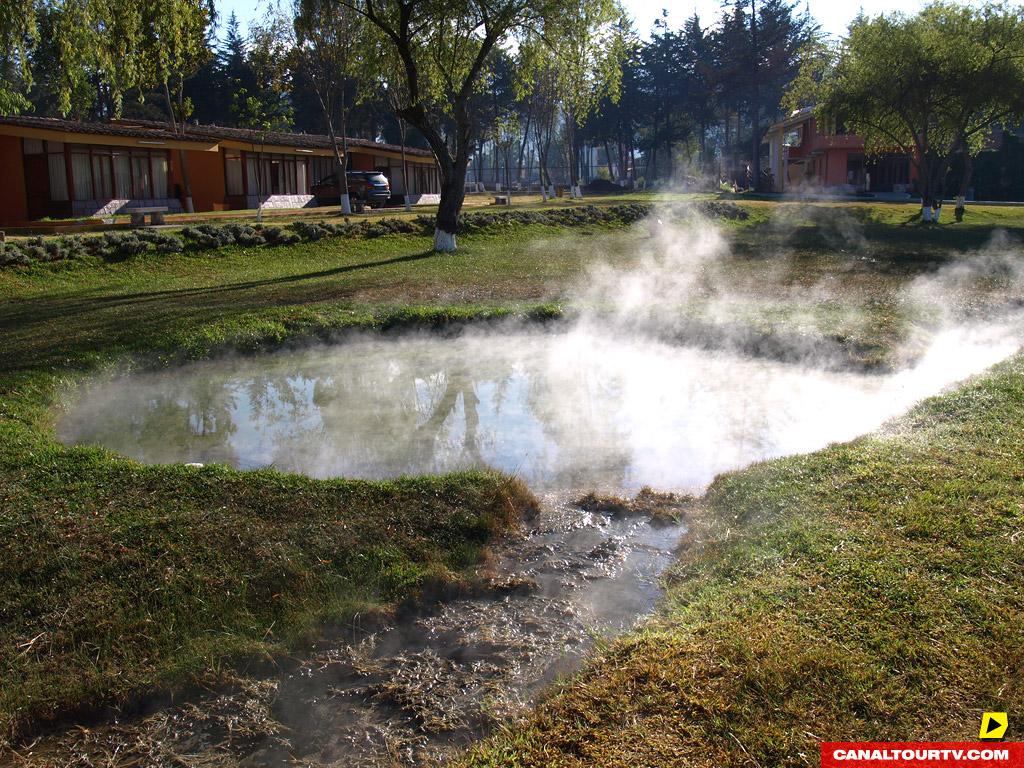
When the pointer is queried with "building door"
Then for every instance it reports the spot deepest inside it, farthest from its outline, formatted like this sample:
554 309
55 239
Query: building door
855 173
275 177
37 186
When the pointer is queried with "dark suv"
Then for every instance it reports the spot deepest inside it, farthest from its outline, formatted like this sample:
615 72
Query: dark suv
371 187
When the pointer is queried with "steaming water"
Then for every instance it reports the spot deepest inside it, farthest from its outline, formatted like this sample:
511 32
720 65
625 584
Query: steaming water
577 410
566 411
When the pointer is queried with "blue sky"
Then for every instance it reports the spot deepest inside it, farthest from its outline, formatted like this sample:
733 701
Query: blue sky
832 15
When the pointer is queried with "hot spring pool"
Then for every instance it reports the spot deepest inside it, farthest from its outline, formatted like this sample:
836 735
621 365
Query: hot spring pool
577 409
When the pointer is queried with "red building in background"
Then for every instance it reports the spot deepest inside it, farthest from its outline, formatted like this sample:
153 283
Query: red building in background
64 168
804 158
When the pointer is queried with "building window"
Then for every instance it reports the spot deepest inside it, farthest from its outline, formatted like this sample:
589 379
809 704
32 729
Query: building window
140 176
102 174
320 168
122 175
233 172
81 174
58 171
160 166
106 173
271 174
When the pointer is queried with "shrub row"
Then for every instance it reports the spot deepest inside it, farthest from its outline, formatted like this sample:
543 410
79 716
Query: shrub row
117 246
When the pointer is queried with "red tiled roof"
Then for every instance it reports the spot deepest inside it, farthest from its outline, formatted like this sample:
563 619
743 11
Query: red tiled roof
126 129
151 129
281 138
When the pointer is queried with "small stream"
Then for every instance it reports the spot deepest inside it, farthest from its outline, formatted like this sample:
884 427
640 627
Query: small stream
569 412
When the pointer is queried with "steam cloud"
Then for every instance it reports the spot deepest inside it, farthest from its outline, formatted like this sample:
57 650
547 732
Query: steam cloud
685 361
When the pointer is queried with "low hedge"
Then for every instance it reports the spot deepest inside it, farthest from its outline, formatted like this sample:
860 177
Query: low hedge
118 246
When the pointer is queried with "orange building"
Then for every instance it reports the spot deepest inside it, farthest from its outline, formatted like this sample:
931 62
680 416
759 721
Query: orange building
804 158
63 168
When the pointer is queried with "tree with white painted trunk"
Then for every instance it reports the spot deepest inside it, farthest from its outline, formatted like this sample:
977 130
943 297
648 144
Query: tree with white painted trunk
268 108
439 50
330 43
588 48
932 85
536 81
174 46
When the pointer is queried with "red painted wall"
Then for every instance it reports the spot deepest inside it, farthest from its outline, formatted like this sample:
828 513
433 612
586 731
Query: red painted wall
206 173
13 203
357 161
833 168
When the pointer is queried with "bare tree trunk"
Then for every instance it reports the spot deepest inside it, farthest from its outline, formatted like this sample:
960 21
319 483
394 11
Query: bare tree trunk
965 182
632 159
621 150
340 167
572 151
186 181
259 178
755 106
931 203
703 148
508 170
453 194
405 168
608 158
480 166
346 202
522 147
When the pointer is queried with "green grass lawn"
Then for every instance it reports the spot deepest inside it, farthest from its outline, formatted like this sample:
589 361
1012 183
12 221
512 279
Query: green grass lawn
118 579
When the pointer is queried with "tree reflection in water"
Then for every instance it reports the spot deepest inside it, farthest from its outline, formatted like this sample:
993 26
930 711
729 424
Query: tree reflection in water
564 411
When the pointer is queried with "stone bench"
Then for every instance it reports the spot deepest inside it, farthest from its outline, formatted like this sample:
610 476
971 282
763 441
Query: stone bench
502 200
156 215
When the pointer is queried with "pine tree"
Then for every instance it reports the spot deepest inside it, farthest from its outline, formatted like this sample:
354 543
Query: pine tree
236 73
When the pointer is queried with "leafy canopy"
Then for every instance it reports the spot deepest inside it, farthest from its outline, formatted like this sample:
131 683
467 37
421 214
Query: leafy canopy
925 84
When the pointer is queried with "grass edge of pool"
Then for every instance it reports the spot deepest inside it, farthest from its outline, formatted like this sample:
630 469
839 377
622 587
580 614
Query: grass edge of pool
866 592
121 582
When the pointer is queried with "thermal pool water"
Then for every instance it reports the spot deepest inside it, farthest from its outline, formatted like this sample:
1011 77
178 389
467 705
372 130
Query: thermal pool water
568 412
564 411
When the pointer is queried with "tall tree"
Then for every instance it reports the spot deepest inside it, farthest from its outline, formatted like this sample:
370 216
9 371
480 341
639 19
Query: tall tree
99 43
205 88
665 84
700 102
267 107
172 48
930 85
441 48
537 82
730 41
17 32
236 71
777 33
47 79
329 41
614 122
588 46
